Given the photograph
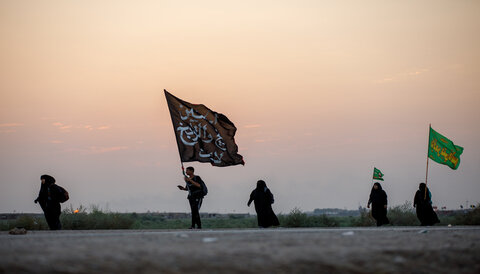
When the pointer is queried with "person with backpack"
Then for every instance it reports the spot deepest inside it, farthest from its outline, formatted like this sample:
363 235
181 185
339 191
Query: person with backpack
263 199
49 198
196 191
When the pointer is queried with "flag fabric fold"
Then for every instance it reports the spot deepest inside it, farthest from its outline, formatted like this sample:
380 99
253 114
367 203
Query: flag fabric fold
443 151
377 174
202 134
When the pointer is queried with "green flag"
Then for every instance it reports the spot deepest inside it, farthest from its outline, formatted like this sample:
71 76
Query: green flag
443 151
377 174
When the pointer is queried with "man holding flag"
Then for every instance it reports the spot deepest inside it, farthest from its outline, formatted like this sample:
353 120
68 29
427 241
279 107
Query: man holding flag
196 191
202 135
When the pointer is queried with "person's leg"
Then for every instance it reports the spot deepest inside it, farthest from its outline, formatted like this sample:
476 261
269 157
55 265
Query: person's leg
46 215
384 220
57 224
48 218
376 215
53 220
55 215
199 204
193 209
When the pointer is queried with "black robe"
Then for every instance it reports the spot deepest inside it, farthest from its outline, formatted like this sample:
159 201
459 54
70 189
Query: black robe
263 200
48 198
378 199
425 213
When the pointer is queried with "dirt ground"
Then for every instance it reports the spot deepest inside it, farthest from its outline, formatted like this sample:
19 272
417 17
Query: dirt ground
316 250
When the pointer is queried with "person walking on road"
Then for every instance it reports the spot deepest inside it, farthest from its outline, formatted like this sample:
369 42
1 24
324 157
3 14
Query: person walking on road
423 204
49 200
263 199
195 187
378 200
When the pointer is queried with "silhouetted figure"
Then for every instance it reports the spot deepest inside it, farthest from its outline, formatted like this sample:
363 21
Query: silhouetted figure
425 213
378 200
48 198
263 199
195 195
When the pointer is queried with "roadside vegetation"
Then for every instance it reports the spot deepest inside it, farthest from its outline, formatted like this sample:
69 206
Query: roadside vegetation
95 218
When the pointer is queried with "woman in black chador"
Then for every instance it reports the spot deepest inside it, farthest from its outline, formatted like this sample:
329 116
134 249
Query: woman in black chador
378 199
48 200
425 213
263 199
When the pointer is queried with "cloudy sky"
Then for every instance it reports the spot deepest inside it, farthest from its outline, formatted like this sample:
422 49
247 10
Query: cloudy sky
320 91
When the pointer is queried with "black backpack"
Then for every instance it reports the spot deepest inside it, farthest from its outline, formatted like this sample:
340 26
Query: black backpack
62 195
200 192
204 188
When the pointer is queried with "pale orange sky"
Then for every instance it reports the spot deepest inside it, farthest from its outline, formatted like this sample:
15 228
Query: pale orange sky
320 91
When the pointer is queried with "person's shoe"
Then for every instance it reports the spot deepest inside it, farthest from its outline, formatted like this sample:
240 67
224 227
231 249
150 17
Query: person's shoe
192 227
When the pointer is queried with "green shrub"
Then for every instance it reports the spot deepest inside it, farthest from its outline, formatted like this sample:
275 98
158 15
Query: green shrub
365 219
236 222
322 221
345 221
96 219
157 222
403 215
26 221
4 225
471 217
296 218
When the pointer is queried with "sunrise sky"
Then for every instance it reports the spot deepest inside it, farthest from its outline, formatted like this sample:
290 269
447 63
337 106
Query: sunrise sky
320 91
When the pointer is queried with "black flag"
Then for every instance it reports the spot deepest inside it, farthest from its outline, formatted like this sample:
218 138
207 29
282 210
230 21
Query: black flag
202 134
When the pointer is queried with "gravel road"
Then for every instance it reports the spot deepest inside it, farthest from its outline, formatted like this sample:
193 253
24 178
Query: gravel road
312 250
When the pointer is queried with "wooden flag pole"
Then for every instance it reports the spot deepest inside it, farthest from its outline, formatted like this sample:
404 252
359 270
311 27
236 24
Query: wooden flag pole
373 175
368 205
426 175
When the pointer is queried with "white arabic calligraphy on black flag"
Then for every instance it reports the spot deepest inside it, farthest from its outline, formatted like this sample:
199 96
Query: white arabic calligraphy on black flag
202 134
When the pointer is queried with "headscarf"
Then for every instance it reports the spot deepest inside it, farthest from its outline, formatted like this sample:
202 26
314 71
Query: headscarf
373 187
49 180
421 188
377 195
261 186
